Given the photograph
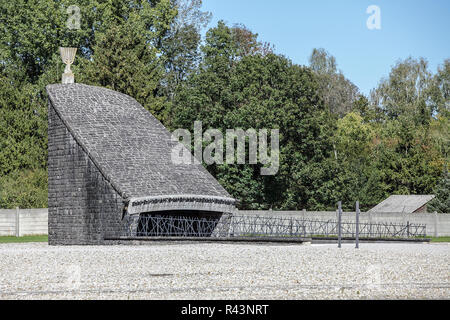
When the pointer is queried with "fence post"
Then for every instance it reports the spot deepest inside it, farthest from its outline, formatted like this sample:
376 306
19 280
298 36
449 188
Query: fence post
357 225
290 226
407 229
436 233
339 223
17 222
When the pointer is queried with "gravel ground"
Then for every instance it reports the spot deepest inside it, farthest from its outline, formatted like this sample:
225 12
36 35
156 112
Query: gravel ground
225 271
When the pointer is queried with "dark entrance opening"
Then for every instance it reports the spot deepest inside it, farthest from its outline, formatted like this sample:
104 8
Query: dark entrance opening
178 224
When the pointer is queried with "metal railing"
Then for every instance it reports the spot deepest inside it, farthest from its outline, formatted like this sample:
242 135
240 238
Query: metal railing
263 226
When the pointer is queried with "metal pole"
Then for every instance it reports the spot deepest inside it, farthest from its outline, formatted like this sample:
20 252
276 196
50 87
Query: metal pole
357 224
407 229
290 227
17 222
339 223
436 224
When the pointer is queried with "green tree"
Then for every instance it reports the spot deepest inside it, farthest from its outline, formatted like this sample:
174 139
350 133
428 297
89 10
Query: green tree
33 30
441 203
404 168
339 93
127 53
441 89
413 136
118 47
180 48
236 89
439 132
407 92
23 145
353 140
24 189
23 127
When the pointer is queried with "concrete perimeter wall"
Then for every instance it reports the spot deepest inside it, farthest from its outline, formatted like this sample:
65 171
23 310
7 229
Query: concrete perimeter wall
437 225
35 221
23 222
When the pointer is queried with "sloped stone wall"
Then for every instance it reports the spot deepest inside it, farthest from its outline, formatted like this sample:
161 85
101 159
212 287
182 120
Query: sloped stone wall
83 206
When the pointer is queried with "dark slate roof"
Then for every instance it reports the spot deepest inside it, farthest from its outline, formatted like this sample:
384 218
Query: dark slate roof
402 203
132 149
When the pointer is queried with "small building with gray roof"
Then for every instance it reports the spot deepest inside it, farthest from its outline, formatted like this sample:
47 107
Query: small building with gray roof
404 204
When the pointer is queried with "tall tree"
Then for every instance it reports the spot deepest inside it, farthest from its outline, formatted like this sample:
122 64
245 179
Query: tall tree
234 89
118 46
407 92
33 30
180 46
441 90
126 54
247 42
338 92
441 203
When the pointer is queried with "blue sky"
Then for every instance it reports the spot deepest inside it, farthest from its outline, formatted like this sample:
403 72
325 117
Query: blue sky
416 28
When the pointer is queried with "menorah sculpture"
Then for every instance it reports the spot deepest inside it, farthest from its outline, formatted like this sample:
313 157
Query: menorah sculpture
68 56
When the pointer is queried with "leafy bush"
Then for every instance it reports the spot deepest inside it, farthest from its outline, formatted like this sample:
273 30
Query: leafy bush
24 189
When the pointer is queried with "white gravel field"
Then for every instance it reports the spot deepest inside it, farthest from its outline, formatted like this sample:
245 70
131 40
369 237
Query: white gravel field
225 271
